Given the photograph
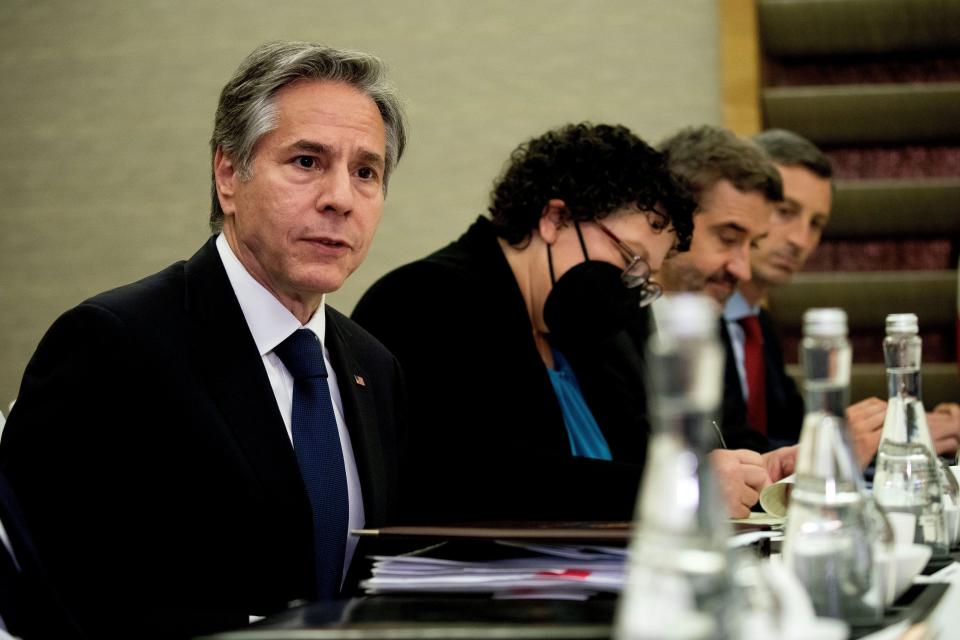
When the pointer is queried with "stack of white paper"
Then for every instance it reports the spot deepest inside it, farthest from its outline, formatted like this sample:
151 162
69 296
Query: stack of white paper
540 571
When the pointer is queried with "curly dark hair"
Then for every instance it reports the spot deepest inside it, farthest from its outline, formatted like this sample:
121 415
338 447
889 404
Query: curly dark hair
595 170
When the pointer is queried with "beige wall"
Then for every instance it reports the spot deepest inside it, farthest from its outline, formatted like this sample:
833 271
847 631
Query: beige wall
106 107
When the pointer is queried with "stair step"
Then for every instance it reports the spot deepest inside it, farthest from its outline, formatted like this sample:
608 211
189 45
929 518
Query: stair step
839 27
926 207
868 297
867 114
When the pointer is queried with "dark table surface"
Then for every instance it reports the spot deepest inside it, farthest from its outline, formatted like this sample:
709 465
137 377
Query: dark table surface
476 617
440 616
481 617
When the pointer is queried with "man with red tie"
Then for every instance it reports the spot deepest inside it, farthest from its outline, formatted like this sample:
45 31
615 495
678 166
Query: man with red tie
748 237
772 404
736 188
752 231
758 390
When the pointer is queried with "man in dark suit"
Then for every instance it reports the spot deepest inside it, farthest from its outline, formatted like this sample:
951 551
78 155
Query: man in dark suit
736 187
28 606
782 404
771 404
758 391
192 449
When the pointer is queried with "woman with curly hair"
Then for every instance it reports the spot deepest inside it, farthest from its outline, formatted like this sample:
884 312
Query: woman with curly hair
525 387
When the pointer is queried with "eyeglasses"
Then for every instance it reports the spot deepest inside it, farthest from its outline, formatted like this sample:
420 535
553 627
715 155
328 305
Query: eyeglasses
637 273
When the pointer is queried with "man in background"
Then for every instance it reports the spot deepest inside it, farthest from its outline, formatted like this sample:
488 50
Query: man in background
736 189
194 448
758 390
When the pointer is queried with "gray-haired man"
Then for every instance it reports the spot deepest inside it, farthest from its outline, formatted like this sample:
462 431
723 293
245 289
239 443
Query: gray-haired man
194 448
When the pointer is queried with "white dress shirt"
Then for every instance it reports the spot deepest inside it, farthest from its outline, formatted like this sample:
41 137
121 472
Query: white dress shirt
735 310
270 324
657 311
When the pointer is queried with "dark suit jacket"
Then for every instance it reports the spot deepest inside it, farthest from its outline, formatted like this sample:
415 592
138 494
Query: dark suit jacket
784 403
487 437
37 611
153 466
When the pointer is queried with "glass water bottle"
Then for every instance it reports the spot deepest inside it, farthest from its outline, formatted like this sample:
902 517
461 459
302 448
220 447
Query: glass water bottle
908 477
678 583
832 528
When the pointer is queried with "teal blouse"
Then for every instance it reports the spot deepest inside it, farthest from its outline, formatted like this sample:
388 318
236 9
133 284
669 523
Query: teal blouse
586 439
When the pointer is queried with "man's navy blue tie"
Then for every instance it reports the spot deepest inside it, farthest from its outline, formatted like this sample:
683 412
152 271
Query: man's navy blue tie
317 445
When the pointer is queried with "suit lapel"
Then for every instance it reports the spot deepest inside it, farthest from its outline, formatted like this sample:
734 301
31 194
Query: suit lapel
783 420
225 353
734 410
16 528
356 393
732 391
772 364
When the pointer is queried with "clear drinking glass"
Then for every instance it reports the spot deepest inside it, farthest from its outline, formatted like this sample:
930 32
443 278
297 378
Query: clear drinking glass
832 529
908 477
678 582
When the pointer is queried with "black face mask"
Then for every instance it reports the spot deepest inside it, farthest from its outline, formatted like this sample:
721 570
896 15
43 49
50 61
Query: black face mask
589 304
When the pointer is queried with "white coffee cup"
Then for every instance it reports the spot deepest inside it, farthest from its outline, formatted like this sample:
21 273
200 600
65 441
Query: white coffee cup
904 527
952 512
898 566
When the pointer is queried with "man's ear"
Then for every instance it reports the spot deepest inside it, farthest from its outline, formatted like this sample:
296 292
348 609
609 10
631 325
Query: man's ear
551 220
226 178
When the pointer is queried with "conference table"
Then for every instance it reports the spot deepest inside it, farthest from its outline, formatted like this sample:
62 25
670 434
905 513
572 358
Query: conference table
924 611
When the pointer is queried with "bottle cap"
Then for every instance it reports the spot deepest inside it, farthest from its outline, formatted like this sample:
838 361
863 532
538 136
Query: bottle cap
687 315
825 323
902 323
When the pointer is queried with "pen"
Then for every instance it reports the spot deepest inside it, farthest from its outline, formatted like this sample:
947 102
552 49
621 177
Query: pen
723 443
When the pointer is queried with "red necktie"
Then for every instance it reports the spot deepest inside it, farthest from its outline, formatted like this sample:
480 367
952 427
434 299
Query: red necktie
756 374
